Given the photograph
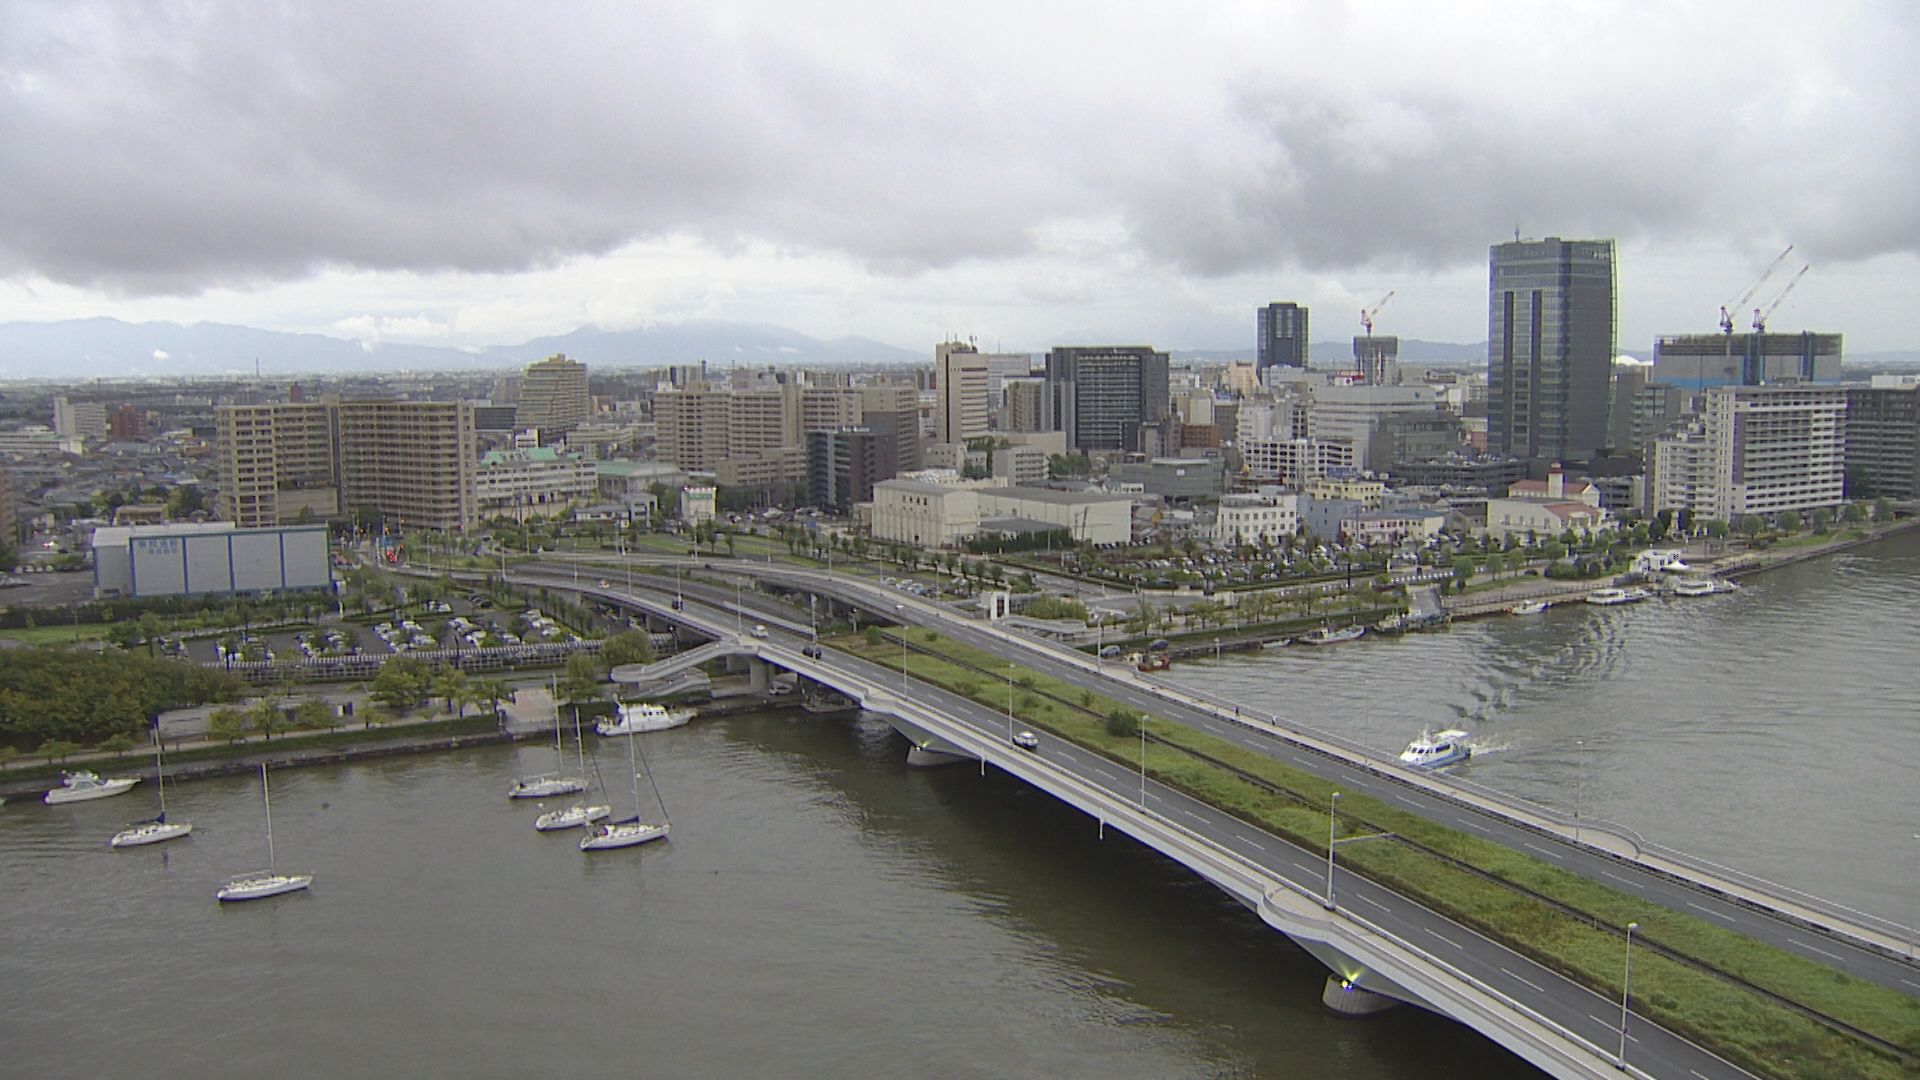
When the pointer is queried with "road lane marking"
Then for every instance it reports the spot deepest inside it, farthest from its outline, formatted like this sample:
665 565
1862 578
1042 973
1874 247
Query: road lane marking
1628 882
1448 940
1541 850
1610 1025
1537 988
1816 948
1370 900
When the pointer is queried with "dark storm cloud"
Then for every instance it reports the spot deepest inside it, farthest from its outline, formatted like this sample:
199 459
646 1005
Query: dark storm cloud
172 148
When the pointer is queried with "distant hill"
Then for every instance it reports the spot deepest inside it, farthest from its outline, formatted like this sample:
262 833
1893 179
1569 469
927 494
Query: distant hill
111 348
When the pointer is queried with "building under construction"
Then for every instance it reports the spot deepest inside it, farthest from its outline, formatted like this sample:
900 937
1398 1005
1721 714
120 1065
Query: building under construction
1694 362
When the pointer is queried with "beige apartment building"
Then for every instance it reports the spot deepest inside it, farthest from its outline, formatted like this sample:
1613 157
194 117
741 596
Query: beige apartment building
553 396
276 464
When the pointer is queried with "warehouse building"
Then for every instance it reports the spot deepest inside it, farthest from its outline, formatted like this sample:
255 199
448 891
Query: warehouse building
214 558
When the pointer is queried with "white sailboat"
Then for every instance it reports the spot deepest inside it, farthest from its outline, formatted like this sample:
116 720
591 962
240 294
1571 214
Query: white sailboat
580 813
157 828
547 785
630 831
257 884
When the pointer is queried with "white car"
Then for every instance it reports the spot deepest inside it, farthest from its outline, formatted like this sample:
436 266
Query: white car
1027 740
759 630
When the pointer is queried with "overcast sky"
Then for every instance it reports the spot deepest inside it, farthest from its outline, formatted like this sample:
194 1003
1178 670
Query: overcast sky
1029 174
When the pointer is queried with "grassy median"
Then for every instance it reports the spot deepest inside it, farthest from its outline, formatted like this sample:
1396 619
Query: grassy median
1509 896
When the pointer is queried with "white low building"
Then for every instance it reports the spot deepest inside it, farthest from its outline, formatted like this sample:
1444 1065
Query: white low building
1256 519
538 480
1547 508
925 515
1089 517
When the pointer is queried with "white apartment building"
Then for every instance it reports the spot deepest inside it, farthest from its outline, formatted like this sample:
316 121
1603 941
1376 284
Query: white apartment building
697 504
1020 465
1756 450
1295 461
1266 518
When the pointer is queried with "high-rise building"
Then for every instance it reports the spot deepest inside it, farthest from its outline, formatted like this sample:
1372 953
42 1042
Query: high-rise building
894 410
1694 362
553 396
1377 359
127 424
277 464
965 394
1883 441
411 460
82 419
1282 336
1102 394
1550 347
1756 450
9 521
1026 405
843 465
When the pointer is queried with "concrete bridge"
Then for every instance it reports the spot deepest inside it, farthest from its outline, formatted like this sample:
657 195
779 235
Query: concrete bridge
1380 947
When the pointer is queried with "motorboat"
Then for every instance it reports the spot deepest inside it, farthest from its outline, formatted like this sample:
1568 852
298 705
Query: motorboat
629 832
82 785
1694 586
157 828
641 716
1608 597
259 884
1277 643
1327 635
545 786
1636 595
1430 750
1530 607
572 817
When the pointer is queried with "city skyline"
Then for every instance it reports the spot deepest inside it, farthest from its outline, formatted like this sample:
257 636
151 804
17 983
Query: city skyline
490 176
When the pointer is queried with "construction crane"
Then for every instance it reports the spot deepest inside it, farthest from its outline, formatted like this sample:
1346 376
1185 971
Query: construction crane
1760 317
1726 310
1367 314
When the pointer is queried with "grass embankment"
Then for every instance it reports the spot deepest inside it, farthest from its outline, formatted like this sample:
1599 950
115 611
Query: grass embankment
378 735
1562 920
57 634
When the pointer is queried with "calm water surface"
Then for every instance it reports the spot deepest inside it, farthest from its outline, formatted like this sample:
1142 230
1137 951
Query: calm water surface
822 909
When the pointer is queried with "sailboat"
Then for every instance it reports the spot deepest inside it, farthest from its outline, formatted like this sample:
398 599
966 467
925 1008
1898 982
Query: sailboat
157 828
257 884
628 831
580 813
547 785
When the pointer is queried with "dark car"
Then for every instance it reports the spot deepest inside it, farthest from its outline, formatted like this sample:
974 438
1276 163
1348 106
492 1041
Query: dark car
679 604
1159 645
812 652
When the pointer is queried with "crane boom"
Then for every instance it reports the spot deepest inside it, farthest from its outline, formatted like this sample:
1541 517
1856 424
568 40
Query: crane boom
1772 267
1760 317
1367 314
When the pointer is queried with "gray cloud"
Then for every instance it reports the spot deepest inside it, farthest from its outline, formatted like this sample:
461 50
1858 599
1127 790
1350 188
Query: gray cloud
168 148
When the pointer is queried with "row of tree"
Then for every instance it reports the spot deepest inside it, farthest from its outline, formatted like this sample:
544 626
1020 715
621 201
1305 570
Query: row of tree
91 697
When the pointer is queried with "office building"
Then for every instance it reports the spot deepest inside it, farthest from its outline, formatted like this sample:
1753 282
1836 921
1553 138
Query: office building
553 396
1756 450
1550 348
894 411
965 394
1102 395
1694 362
410 460
1026 408
1282 337
1262 519
516 483
844 464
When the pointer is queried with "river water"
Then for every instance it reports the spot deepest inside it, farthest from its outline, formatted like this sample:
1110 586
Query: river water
823 909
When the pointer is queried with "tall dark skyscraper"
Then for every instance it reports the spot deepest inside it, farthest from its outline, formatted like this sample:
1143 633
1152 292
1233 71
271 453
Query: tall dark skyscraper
1102 394
1282 338
1550 348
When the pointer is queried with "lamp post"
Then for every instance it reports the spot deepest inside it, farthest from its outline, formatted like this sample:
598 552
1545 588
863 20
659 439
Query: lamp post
900 616
1010 702
1143 761
739 601
1579 762
1626 988
1333 816
1216 650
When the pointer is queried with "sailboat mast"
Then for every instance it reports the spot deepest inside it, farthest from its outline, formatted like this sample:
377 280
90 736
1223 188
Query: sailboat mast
633 767
266 796
159 776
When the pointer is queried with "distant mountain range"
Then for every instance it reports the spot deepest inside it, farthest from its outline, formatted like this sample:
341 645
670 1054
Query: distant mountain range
109 348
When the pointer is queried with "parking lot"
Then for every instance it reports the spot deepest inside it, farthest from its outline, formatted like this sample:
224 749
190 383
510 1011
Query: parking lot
456 623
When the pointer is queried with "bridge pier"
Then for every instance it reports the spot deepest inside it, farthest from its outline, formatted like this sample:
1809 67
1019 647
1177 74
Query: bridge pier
1342 998
759 675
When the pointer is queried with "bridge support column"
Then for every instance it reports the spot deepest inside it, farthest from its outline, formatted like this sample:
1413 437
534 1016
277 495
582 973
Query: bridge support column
759 675
1342 998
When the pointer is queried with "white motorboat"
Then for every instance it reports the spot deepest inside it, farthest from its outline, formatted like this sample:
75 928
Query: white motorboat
1608 597
1277 643
642 716
548 785
1430 750
1694 586
157 828
82 785
1327 635
1530 607
628 832
1636 595
258 884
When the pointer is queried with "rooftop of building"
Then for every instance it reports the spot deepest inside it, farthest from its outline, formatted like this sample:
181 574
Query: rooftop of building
1057 498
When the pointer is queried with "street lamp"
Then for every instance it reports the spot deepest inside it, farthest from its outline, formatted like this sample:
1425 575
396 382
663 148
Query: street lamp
1216 650
1333 815
1143 761
900 614
1626 988
1010 702
1579 761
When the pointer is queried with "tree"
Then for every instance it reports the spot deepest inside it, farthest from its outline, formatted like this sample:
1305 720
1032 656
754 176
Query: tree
627 647
1855 513
312 714
580 682
1123 723
1716 529
56 750
1789 521
1883 509
265 716
1752 525
117 744
451 686
227 723
493 692
403 682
